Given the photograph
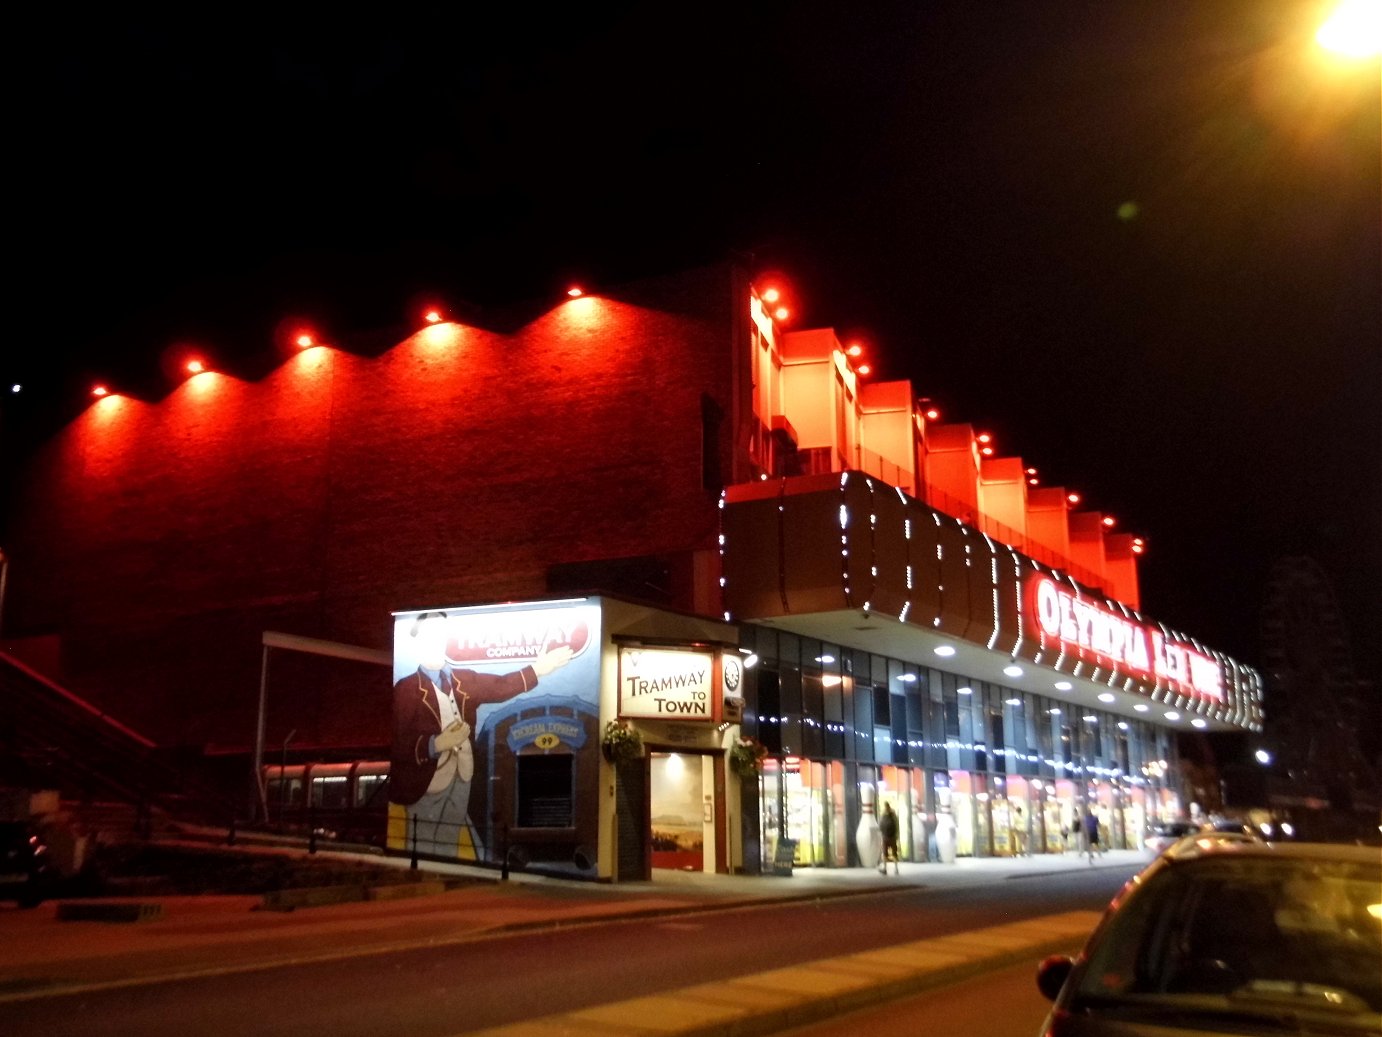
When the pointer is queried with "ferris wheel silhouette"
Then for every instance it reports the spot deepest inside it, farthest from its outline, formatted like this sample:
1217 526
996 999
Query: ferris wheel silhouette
1311 689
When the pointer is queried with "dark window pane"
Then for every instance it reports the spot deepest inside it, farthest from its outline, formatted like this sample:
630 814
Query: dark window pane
769 709
545 785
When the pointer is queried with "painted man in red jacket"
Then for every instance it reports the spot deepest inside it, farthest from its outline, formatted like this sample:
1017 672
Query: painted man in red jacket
434 715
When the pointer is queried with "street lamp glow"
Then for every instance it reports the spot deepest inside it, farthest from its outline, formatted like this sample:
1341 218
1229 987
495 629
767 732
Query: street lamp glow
1354 30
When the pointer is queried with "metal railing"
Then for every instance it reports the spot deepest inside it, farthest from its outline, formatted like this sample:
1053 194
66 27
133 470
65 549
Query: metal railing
823 460
88 756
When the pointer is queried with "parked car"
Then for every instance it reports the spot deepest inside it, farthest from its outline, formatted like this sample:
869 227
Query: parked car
1162 836
1220 833
1230 938
27 874
1234 828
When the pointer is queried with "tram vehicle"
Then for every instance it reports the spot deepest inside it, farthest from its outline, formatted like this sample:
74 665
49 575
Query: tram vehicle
344 802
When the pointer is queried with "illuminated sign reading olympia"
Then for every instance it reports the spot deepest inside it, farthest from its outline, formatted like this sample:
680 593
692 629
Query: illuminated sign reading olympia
1087 627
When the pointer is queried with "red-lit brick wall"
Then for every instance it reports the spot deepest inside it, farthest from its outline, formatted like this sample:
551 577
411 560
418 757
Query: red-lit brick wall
159 540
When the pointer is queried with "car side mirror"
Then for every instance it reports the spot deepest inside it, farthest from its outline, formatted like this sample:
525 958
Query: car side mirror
1052 974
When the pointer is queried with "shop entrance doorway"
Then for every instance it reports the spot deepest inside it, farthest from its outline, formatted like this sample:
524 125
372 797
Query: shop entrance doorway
682 811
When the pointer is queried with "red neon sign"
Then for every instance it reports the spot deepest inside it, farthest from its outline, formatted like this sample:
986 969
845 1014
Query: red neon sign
1086 628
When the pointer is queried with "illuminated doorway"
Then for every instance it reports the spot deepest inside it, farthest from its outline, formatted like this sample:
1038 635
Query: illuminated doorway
682 811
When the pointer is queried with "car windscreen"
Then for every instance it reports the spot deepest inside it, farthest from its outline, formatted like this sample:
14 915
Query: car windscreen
1245 933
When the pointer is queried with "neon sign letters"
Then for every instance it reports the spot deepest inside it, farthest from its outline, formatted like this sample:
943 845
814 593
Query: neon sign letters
1085 627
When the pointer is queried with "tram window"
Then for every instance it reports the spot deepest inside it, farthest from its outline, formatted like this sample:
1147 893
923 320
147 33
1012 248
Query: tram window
545 786
286 792
330 792
369 787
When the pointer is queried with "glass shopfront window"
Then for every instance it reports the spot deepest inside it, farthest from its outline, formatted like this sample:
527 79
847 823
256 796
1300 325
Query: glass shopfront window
897 787
1023 820
799 799
962 809
1007 768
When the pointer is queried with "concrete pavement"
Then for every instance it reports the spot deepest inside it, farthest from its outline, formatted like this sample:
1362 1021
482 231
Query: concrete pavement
42 954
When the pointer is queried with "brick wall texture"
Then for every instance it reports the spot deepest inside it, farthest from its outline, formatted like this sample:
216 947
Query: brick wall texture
159 539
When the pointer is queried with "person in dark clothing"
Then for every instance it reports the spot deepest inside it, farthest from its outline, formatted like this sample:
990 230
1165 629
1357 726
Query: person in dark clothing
887 826
1091 831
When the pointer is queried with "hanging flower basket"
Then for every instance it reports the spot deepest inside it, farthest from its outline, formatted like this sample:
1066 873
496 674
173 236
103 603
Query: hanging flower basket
745 755
621 743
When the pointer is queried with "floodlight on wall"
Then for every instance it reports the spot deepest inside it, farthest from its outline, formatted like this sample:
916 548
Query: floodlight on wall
1072 498
1012 671
1063 685
944 651
966 690
1109 521
1142 707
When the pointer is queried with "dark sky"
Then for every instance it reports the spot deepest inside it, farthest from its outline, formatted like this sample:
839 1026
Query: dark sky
1139 241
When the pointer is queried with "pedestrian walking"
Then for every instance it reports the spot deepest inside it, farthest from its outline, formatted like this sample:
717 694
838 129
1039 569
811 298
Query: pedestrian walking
1091 831
887 826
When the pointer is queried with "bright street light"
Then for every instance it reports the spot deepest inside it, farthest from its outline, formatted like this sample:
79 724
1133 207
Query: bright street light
1354 29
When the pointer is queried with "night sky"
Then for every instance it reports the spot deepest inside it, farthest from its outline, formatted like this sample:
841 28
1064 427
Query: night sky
1140 242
